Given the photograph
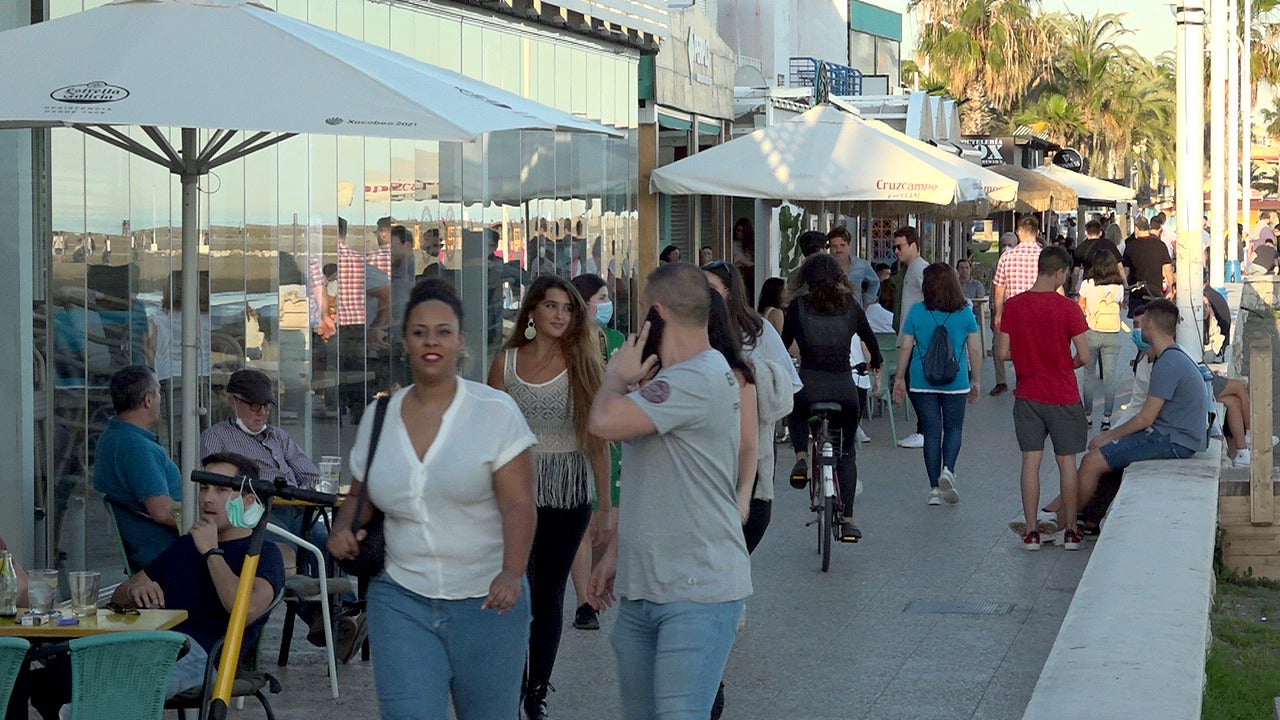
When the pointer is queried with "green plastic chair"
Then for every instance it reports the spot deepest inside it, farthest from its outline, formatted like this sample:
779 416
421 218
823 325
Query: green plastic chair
122 676
13 652
889 351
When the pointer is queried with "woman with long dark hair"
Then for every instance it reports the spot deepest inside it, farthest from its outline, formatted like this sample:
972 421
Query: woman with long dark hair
940 406
771 304
822 323
776 383
459 522
551 366
1102 300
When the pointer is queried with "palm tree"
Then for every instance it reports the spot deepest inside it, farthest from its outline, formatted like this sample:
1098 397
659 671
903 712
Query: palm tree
1271 118
987 52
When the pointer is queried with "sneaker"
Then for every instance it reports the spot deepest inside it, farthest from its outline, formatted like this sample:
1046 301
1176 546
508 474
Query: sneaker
800 474
1243 459
1031 540
999 389
586 618
947 484
1106 424
849 532
1070 540
863 437
914 440
1088 420
935 497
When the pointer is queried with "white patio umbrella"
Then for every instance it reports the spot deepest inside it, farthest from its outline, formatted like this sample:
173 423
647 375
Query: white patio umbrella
830 154
1088 188
230 66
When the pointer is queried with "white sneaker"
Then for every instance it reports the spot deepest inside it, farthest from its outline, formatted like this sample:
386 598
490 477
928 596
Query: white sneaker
863 437
914 440
947 484
935 497
1242 459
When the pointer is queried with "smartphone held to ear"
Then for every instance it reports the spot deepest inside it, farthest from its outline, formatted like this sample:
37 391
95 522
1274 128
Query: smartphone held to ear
654 341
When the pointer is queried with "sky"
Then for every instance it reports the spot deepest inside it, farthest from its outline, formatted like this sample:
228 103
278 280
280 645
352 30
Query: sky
1150 20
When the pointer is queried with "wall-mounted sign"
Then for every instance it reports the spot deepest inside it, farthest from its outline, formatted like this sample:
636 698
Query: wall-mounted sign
992 149
1069 158
699 58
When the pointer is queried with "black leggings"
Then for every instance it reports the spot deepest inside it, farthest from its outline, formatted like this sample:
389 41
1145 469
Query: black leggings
555 543
819 387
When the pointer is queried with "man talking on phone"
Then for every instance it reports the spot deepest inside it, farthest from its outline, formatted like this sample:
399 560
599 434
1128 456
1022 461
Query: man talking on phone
678 566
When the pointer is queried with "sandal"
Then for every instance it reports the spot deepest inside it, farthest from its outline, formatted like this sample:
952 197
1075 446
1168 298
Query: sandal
849 532
999 389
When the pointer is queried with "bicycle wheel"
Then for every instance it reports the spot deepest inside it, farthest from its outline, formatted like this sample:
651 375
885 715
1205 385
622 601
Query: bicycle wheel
828 530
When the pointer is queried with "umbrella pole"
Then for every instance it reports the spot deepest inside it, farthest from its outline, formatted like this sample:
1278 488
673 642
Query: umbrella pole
191 328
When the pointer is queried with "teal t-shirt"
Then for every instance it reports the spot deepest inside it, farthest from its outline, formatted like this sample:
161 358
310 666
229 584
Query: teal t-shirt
921 323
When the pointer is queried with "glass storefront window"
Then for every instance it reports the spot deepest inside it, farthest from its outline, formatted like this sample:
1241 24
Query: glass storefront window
489 216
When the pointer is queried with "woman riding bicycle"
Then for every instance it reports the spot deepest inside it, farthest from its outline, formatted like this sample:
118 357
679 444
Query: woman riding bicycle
822 324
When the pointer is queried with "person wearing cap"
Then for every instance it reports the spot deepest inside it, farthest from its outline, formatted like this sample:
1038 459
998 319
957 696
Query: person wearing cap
251 395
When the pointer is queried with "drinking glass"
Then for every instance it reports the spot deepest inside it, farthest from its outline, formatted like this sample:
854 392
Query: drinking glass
84 592
42 590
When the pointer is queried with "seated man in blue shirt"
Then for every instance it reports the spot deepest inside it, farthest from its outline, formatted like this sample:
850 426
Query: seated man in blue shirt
1173 422
200 571
142 485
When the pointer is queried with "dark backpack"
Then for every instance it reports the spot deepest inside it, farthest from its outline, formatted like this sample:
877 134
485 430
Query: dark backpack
940 364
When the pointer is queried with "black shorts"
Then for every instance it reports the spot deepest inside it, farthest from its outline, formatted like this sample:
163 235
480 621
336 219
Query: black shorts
1065 424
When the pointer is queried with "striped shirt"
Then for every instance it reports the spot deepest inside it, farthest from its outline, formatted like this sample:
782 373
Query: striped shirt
272 450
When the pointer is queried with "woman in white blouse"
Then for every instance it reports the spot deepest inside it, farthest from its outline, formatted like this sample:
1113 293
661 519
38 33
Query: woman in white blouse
449 615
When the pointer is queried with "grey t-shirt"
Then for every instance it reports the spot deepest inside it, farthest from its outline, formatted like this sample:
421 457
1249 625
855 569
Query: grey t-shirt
680 537
1184 417
912 287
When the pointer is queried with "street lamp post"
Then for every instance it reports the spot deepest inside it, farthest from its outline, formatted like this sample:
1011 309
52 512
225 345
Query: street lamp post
1190 187
1246 137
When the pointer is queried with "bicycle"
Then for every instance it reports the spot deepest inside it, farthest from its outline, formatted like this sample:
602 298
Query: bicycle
824 486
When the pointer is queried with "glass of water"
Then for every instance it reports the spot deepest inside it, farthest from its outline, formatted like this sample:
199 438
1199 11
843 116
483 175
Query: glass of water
84 592
42 590
330 473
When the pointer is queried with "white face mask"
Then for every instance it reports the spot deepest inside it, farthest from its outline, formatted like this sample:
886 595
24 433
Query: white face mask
240 424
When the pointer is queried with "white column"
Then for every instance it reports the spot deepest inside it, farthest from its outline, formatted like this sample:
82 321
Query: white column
1217 138
1190 188
1233 139
1246 130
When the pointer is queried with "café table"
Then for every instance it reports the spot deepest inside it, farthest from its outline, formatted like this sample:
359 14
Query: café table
103 623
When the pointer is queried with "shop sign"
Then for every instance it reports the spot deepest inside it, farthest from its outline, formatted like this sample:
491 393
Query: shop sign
699 48
1069 158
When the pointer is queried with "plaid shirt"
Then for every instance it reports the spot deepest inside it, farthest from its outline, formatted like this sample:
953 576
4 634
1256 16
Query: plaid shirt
1017 269
351 290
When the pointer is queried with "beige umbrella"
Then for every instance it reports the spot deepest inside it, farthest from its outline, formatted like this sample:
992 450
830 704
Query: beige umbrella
1038 192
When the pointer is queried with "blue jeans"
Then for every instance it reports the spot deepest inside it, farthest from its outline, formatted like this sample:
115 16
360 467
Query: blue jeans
942 424
671 656
1147 444
426 650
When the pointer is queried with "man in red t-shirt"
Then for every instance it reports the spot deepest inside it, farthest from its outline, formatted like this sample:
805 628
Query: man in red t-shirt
1037 331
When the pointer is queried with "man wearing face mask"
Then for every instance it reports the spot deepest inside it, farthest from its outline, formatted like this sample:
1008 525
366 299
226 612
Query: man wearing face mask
251 395
200 571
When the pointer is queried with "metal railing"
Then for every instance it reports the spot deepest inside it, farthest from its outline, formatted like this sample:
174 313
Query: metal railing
825 78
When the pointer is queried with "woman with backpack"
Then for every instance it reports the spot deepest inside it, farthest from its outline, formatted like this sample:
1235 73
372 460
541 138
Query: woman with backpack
940 338
1102 300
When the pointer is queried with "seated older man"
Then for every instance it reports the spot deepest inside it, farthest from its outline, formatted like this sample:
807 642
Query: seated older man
248 432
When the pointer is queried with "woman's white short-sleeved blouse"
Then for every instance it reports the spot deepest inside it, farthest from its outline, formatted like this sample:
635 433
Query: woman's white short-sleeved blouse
443 528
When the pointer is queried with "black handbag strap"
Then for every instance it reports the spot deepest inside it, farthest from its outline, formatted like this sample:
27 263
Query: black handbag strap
379 415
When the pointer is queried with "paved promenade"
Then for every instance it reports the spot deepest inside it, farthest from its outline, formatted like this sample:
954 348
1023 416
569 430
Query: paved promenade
937 613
